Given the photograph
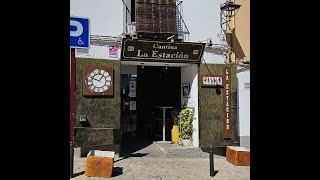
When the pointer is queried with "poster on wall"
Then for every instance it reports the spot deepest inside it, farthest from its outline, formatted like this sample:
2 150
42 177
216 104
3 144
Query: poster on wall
186 90
132 89
113 52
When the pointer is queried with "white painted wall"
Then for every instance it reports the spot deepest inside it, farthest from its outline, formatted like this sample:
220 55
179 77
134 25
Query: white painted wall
98 52
189 74
211 58
106 17
243 76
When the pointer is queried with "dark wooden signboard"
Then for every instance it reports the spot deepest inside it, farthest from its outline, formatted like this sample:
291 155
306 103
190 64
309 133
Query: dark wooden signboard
159 51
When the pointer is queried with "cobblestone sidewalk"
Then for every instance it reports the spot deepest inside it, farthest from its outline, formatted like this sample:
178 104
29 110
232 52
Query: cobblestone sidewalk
148 168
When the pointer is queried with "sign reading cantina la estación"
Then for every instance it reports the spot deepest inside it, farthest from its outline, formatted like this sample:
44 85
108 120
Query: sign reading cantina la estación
159 51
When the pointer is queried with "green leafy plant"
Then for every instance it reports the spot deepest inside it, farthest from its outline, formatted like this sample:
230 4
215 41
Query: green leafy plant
175 116
186 127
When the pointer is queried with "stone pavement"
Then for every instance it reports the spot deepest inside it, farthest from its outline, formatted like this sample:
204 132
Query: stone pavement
148 164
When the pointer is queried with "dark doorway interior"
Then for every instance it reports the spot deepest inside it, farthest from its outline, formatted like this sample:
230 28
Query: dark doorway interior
157 86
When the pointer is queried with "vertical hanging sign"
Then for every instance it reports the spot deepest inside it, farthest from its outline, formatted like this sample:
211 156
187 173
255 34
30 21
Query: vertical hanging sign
227 103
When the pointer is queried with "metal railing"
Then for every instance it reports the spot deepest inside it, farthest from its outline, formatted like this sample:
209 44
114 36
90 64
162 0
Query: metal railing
182 29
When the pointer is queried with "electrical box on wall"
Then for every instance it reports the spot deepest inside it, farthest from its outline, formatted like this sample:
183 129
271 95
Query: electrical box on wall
84 121
82 118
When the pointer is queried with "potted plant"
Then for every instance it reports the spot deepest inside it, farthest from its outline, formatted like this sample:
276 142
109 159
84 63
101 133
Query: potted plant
186 126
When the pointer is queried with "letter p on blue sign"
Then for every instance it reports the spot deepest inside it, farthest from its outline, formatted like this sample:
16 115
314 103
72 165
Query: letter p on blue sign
79 32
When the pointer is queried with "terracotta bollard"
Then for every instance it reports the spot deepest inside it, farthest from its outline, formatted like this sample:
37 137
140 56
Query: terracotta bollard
99 163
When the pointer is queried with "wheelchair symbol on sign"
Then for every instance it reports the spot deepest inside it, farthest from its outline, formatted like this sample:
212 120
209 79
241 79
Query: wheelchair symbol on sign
80 42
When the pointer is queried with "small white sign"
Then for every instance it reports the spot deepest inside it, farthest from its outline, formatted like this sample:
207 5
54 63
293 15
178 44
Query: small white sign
132 105
132 89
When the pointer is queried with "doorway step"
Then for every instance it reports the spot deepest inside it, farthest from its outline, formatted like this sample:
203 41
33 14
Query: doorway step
175 150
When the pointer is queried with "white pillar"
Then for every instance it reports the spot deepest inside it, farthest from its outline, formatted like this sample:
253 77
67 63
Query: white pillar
189 74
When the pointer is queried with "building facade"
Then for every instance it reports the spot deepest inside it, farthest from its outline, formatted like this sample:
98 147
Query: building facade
164 60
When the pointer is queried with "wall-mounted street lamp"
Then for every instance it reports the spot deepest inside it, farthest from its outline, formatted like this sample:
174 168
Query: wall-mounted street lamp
228 10
218 88
230 7
209 43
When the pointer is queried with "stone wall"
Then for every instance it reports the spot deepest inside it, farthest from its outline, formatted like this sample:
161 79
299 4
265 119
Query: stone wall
211 109
102 114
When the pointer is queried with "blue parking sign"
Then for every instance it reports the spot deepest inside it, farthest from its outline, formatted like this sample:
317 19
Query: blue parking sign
79 32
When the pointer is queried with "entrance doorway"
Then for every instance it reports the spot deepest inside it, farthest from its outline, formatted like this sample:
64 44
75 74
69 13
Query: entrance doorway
155 86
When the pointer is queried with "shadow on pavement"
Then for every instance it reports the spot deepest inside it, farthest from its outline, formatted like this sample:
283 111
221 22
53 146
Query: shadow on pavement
214 173
117 171
78 174
131 155
132 142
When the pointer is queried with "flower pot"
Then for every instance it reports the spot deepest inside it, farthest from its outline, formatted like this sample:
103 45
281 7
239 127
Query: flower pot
185 142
